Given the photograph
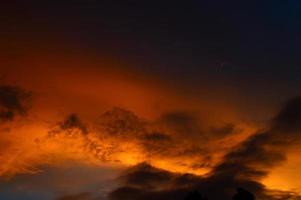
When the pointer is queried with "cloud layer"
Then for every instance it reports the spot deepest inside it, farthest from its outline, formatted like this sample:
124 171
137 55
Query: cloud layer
180 151
244 166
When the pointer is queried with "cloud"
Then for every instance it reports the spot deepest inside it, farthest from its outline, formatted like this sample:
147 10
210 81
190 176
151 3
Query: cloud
260 152
119 136
70 123
289 117
14 101
119 122
172 135
146 176
147 182
224 130
174 142
244 166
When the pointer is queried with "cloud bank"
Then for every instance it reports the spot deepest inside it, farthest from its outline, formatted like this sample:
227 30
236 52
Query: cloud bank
244 166
167 146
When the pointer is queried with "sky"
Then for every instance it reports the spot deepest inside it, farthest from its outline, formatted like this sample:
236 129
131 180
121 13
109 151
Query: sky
149 100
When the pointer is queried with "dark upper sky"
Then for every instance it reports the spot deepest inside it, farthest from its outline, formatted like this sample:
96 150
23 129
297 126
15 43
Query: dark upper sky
248 38
252 46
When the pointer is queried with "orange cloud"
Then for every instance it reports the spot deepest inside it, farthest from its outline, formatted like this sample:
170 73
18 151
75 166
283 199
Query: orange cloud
122 118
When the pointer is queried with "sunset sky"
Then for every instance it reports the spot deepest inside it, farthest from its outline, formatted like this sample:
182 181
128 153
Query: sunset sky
150 100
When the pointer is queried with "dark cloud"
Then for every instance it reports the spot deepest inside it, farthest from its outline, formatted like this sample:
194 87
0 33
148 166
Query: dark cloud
149 183
156 137
252 160
146 176
261 151
244 166
224 130
73 122
120 122
146 182
13 102
155 143
74 128
194 125
289 118
173 135
183 123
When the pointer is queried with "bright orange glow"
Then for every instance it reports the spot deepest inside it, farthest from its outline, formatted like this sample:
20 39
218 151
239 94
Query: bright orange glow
287 176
